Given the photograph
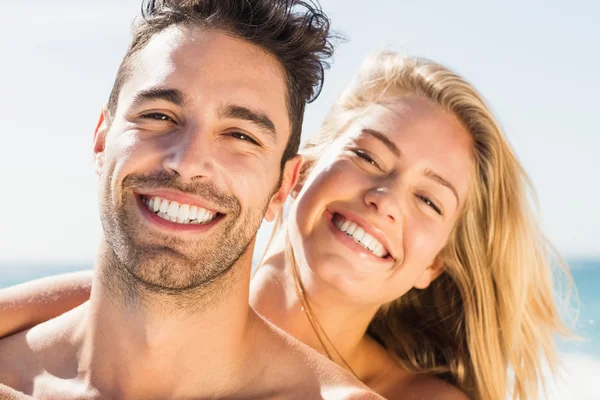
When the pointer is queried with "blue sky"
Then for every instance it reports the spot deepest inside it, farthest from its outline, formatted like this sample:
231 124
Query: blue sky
535 62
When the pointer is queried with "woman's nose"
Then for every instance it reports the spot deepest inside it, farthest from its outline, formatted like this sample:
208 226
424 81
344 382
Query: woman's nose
383 202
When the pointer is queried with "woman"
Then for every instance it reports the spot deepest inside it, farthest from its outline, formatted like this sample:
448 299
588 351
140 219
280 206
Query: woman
409 254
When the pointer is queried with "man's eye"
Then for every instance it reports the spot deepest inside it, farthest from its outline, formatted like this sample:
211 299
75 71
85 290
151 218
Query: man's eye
243 137
430 203
157 117
362 154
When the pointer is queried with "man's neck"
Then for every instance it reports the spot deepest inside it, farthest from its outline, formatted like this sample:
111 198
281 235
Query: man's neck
144 347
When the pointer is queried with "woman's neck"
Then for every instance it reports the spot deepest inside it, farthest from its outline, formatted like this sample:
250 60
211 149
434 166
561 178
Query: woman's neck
273 294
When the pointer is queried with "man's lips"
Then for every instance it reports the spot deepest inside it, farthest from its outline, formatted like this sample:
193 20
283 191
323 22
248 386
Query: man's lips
178 219
181 198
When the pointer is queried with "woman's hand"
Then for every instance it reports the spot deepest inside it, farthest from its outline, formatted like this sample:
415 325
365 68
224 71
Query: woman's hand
31 303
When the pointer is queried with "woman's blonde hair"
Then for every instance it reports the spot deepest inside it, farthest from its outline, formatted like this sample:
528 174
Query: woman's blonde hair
492 311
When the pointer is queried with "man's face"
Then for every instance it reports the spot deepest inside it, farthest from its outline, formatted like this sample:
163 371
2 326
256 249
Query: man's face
189 162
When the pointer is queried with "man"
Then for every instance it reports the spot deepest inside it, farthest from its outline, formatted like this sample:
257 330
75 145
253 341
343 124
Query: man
194 148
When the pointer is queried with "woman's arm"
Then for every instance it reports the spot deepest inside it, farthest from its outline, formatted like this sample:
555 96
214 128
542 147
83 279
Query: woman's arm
11 394
28 304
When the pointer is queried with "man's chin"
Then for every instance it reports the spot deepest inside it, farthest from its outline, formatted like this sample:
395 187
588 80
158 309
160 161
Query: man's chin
162 268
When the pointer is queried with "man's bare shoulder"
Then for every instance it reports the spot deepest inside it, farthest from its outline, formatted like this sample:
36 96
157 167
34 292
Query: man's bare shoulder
26 355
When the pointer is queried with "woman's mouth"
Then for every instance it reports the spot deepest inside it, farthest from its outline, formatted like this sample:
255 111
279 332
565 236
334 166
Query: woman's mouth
358 234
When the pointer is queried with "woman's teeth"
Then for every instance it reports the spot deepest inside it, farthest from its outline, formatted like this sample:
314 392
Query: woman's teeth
359 235
179 213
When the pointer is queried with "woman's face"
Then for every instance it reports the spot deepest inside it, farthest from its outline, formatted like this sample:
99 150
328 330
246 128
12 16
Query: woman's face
380 203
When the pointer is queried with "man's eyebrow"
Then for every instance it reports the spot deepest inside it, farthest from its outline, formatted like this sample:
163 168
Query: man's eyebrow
258 118
174 96
432 175
384 139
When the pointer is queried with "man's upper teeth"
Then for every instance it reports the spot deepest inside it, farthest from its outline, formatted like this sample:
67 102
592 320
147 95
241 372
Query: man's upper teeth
359 235
181 213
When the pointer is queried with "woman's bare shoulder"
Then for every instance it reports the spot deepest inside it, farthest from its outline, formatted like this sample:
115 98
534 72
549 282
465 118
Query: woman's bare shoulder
394 382
401 384
424 386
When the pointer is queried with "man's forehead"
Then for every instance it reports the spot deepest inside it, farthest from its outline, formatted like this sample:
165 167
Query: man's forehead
211 65
207 54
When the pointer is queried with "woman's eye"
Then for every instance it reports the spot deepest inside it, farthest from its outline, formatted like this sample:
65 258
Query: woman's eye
243 137
362 154
430 203
157 117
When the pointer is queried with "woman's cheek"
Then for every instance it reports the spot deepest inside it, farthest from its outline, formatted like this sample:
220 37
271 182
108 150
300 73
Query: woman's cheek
423 240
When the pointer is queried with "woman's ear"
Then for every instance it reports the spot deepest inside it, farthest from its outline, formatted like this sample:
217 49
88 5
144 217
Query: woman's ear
430 274
289 179
100 140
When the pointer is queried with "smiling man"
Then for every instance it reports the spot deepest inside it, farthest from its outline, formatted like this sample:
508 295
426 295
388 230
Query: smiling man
195 147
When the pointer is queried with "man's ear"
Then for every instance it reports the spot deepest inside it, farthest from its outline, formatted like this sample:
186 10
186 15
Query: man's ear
291 171
430 274
100 140
297 188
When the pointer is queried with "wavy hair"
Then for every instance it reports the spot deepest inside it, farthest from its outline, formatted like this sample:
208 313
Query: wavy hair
492 311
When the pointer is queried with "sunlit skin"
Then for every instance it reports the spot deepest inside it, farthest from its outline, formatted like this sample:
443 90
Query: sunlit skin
402 172
182 130
164 126
393 190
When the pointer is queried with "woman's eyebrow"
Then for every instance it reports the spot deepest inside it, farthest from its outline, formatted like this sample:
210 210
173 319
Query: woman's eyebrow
383 139
437 178
394 149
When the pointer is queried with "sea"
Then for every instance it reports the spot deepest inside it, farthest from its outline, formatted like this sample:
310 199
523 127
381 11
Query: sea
579 374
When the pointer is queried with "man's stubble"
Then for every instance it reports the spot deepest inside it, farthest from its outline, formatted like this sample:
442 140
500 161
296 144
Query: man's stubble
140 265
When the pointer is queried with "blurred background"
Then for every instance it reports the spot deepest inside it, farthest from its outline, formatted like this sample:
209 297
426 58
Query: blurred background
534 62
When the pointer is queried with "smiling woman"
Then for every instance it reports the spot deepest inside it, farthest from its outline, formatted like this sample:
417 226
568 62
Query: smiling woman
411 231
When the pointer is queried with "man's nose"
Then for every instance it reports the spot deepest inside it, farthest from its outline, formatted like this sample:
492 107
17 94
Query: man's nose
191 154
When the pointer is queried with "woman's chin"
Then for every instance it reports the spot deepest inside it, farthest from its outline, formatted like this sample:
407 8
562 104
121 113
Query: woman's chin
338 273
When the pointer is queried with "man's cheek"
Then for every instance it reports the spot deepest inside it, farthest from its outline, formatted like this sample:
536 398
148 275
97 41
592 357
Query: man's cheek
253 179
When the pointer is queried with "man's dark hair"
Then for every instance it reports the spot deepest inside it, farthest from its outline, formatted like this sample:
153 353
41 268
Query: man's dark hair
296 32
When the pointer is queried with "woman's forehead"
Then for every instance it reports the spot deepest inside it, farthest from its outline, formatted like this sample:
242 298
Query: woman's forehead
409 118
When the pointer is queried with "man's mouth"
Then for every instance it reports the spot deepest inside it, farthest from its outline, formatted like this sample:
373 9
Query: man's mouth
179 213
361 237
